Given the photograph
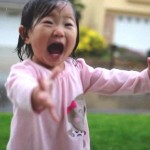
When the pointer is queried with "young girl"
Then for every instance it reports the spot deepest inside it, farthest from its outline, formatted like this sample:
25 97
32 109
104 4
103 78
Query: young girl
47 87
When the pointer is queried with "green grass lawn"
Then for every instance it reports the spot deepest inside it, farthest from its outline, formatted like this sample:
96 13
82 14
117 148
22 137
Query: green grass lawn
5 119
107 131
119 132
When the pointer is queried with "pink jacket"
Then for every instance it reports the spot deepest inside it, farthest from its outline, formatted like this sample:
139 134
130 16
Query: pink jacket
31 131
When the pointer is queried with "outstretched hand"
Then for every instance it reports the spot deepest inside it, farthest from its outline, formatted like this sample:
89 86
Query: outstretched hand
41 95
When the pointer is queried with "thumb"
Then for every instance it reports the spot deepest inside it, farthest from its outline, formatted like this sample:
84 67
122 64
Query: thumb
47 103
54 114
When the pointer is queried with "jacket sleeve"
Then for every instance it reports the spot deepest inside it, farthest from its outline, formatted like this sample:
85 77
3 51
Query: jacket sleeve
113 82
19 86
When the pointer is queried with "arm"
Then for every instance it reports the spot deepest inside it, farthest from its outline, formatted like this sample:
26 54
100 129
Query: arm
28 91
115 81
19 86
41 95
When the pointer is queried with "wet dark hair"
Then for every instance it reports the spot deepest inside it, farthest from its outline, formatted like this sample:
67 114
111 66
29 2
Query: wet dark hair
36 10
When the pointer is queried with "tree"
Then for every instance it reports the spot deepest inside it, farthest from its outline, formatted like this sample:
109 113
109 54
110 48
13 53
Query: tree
78 6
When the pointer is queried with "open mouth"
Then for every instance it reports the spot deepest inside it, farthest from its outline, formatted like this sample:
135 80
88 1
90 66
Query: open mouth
56 48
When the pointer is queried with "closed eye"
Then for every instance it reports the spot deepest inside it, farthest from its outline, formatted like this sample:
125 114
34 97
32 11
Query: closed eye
68 24
48 22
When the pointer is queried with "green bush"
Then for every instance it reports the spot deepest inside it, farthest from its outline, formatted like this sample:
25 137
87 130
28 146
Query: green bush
91 43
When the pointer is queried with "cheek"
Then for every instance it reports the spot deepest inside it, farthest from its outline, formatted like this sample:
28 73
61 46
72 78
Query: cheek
75 35
40 33
38 40
72 39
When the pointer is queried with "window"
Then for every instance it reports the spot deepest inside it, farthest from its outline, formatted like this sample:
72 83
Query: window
132 32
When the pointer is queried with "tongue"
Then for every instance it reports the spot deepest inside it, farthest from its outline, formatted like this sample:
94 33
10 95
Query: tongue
55 51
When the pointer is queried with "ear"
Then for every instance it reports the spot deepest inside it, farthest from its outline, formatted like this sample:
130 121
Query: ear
24 35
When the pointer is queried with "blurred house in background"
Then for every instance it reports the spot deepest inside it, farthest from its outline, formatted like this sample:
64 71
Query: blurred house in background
124 23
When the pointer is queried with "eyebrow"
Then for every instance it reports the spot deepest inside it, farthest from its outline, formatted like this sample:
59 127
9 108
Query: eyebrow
66 16
69 17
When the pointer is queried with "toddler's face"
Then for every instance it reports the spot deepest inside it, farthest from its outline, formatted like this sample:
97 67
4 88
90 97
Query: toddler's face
53 37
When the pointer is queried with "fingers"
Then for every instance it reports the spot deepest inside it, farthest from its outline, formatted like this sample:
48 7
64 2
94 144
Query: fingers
55 72
47 84
44 99
41 84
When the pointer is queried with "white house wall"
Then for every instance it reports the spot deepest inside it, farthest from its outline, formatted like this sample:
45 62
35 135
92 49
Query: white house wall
132 32
9 23
9 29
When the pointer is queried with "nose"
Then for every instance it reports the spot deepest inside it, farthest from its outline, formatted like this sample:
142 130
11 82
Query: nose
58 32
